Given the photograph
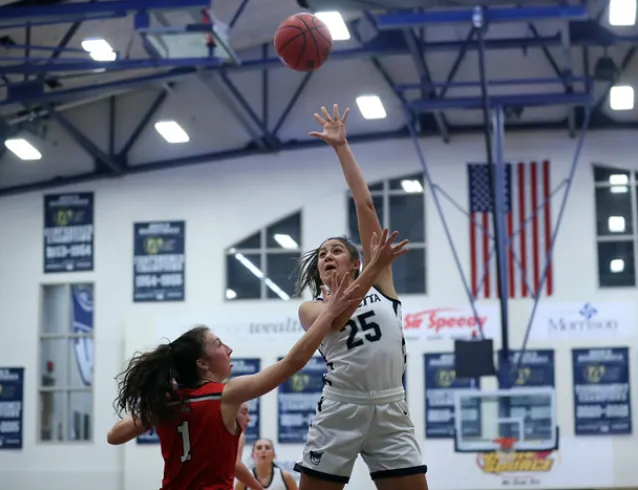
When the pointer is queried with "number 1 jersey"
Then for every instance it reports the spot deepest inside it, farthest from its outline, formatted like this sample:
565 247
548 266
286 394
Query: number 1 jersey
366 360
199 453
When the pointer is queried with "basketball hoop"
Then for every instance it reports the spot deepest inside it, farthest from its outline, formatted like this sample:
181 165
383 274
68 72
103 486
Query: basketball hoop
507 449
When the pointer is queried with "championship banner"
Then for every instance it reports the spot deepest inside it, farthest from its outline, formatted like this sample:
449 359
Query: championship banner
536 368
440 383
297 401
68 232
11 401
602 399
159 261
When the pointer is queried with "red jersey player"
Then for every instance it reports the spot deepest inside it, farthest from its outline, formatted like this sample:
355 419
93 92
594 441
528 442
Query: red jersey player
197 423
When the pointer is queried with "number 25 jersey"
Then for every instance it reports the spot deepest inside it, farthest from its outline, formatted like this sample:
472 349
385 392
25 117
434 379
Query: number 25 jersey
366 360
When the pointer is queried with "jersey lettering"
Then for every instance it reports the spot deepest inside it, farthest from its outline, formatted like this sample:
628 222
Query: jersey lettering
186 441
371 329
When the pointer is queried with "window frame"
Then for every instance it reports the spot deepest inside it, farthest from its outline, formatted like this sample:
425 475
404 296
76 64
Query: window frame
624 237
263 251
66 390
386 193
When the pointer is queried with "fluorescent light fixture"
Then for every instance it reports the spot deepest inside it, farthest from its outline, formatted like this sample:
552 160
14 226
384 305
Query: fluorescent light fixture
99 49
103 55
619 189
621 98
22 149
286 241
616 224
371 107
617 265
230 294
622 12
335 24
618 179
412 186
171 132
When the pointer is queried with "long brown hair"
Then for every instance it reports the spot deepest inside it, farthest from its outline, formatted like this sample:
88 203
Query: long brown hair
147 387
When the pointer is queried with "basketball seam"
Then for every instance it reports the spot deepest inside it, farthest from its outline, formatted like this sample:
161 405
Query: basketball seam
309 29
301 33
314 24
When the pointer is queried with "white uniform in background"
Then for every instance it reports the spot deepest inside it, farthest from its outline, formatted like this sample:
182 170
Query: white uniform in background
362 409
277 481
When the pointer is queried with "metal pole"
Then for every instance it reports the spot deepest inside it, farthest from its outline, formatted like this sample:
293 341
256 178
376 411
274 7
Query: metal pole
497 186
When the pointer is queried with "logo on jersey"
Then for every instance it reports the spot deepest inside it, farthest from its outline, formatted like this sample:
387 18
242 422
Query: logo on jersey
315 457
369 299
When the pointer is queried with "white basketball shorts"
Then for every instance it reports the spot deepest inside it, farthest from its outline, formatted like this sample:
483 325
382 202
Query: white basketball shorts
383 434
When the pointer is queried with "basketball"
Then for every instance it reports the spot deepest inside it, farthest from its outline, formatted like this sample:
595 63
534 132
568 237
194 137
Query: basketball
303 42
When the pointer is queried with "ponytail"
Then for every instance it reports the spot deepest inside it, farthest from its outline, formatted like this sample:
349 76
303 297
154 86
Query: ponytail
146 387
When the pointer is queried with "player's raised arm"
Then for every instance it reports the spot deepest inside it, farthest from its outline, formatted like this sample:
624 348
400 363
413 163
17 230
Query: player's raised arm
244 388
334 133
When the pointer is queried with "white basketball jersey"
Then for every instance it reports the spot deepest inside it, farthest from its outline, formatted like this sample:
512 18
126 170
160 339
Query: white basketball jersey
366 359
277 481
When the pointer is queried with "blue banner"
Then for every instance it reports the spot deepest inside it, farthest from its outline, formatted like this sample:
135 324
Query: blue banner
159 261
440 383
297 401
242 367
11 400
602 400
536 368
82 324
68 232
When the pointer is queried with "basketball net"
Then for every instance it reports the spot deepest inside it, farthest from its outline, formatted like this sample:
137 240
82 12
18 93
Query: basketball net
507 449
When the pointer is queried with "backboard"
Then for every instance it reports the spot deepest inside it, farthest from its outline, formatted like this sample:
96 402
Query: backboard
484 419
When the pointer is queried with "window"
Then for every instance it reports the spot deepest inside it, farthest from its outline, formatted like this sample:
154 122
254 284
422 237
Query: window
261 266
400 204
615 194
66 363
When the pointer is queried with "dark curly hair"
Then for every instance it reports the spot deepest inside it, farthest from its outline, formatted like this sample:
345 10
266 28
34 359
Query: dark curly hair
147 387
307 270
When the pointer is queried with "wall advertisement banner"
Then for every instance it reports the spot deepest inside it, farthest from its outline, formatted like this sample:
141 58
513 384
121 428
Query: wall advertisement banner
584 320
450 323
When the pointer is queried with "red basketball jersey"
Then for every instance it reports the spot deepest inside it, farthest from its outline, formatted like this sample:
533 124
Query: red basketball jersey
199 452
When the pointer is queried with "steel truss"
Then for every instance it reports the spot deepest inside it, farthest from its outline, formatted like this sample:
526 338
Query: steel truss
397 33
494 131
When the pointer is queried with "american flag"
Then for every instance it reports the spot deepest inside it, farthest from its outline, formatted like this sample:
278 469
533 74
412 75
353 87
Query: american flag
528 225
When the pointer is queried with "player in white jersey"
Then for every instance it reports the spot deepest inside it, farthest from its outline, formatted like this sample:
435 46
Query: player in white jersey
362 409
269 475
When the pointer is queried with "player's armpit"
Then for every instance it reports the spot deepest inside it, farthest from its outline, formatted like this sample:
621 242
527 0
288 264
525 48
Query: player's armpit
125 430
309 311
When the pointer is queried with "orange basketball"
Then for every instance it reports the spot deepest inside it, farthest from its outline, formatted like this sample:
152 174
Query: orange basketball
303 42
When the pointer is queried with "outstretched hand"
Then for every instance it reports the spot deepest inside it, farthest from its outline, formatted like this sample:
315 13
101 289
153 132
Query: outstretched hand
343 294
383 251
334 127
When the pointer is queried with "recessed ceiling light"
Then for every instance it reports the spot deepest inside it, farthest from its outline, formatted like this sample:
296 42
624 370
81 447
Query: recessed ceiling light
335 24
621 98
622 12
371 107
22 149
171 132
